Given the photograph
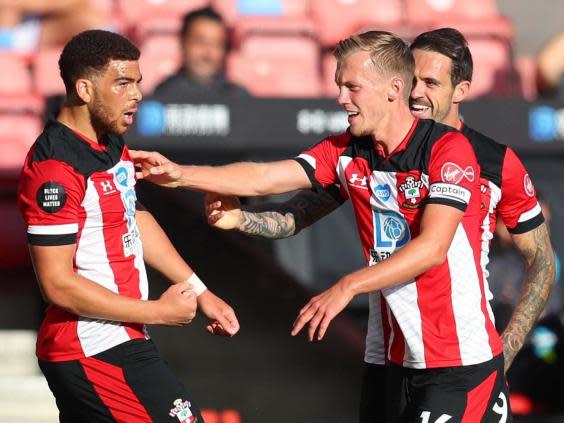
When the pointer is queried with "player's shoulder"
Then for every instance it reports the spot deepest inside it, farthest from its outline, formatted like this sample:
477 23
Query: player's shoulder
428 134
482 142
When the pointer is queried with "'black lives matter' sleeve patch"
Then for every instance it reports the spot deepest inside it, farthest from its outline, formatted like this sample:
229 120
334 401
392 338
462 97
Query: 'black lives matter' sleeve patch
51 197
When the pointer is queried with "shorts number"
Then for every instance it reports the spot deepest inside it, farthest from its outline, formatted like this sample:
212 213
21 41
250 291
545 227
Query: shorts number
426 417
501 409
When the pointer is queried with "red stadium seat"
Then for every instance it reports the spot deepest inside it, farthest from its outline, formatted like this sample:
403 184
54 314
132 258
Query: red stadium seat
471 17
132 12
46 77
277 66
265 25
337 19
210 416
22 104
157 23
492 68
160 58
230 416
16 76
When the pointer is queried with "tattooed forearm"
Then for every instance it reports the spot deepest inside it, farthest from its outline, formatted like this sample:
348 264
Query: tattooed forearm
286 219
536 248
267 224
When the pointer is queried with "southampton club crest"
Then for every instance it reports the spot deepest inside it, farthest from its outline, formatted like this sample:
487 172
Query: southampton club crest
182 411
411 190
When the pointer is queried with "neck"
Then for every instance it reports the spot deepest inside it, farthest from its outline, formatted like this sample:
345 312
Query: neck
393 129
78 119
453 118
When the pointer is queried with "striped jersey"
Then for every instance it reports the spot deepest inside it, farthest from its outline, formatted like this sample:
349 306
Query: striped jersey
440 318
506 189
75 191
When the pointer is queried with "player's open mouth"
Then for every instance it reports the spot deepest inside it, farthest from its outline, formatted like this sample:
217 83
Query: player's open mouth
129 116
351 115
419 109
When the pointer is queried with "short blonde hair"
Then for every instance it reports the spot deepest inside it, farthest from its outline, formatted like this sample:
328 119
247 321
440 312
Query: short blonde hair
390 55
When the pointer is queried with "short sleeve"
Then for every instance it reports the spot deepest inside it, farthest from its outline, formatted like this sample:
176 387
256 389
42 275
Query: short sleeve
453 171
50 194
320 162
518 206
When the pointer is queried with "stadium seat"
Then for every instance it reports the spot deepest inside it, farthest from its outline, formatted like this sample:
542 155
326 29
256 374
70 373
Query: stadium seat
22 104
46 77
277 66
210 416
492 68
337 19
157 23
160 58
16 76
133 12
471 17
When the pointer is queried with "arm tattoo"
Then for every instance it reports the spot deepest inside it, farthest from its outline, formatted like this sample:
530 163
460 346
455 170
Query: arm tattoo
536 248
286 219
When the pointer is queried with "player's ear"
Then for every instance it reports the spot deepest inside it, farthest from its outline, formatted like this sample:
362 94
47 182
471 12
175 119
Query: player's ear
84 89
395 88
461 91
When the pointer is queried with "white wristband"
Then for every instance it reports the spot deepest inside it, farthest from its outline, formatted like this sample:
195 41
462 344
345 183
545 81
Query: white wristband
197 285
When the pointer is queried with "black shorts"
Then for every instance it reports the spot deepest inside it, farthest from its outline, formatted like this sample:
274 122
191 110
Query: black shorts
127 383
373 394
467 394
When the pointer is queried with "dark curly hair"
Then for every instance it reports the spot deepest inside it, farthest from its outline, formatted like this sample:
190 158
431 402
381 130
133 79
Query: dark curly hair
452 44
89 53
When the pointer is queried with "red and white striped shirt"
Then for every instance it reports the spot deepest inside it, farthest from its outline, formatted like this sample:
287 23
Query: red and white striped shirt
439 318
75 191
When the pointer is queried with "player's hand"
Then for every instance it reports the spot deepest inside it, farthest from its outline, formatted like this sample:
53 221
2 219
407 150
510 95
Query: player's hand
321 310
223 211
177 305
223 319
156 168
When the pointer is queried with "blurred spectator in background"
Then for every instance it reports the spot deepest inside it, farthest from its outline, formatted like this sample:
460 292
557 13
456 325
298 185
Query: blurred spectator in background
26 25
204 44
550 72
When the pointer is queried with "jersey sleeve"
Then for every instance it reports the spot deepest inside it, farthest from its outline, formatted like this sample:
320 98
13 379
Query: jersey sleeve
320 162
453 171
50 194
518 206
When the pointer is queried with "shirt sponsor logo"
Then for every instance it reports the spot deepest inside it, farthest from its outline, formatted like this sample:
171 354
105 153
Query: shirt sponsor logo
528 185
450 192
182 411
51 197
358 182
383 192
391 232
411 190
453 174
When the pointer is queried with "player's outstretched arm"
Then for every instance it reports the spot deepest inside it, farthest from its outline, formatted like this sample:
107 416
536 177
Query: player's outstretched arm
160 254
61 286
428 249
271 220
536 248
242 179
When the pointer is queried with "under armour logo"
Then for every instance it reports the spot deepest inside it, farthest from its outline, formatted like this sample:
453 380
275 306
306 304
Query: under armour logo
452 173
107 187
358 182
